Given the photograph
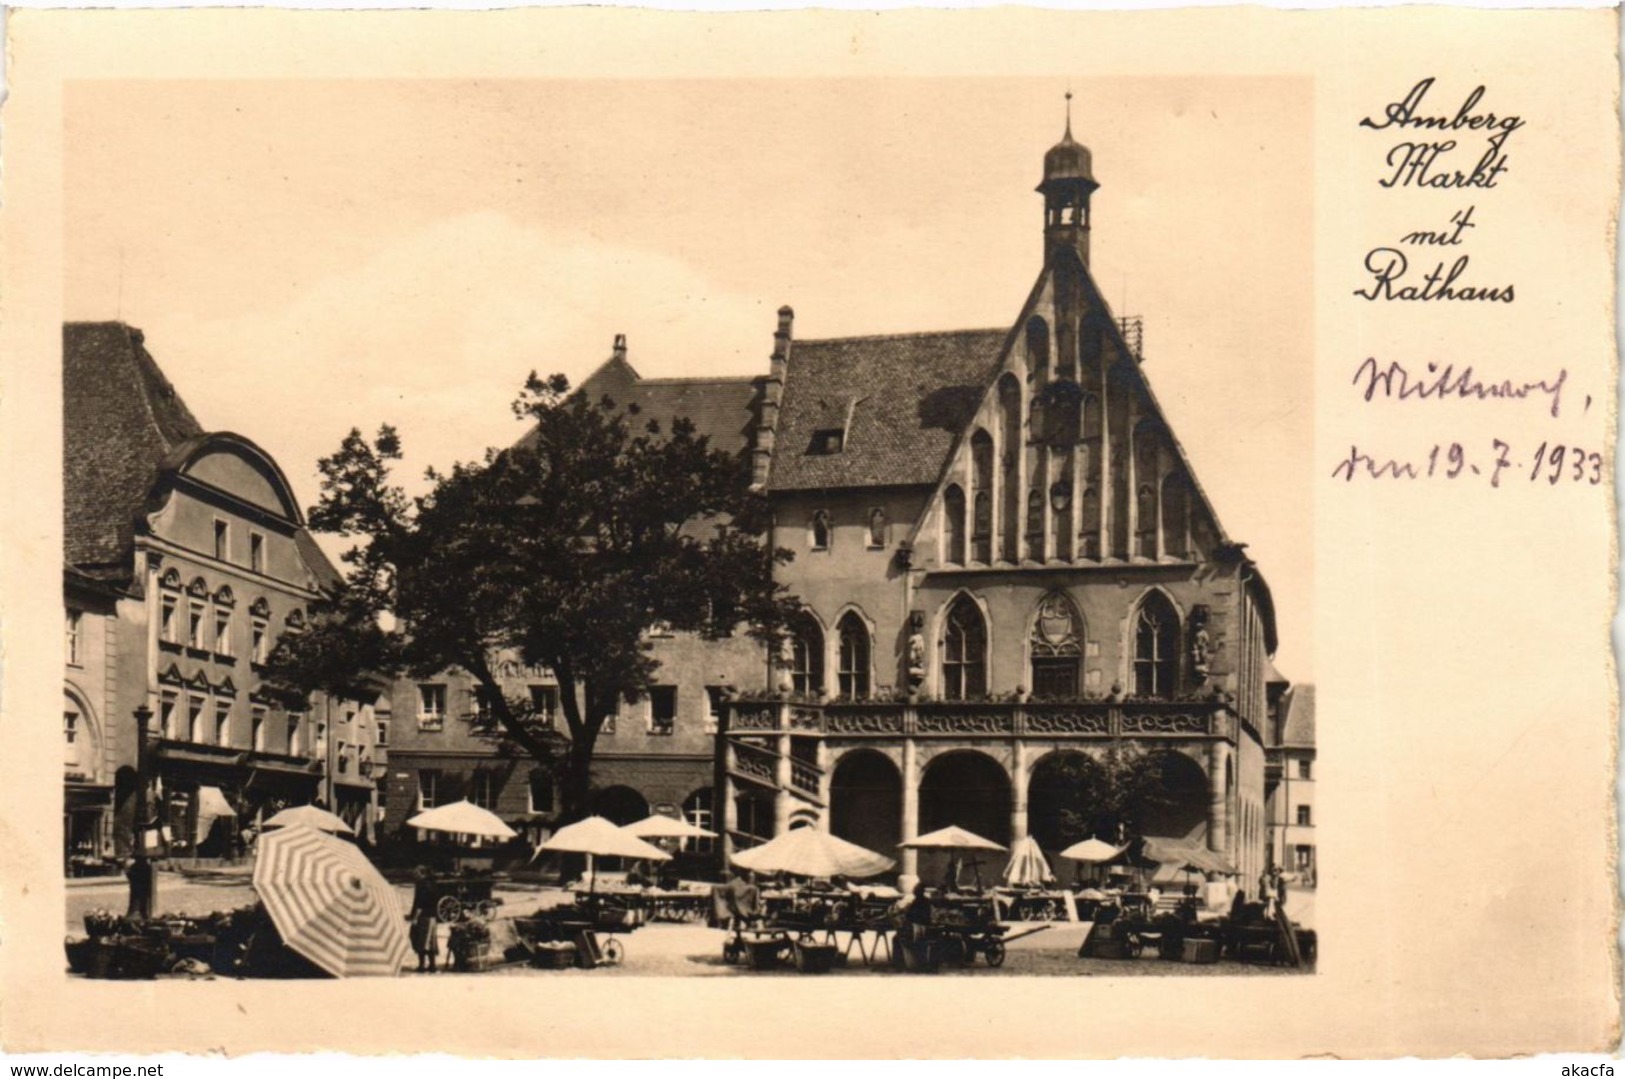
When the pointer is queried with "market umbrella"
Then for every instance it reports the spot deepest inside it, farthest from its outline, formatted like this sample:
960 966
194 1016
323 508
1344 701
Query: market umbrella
329 904
463 818
657 826
1093 850
809 852
1027 864
310 816
954 839
597 836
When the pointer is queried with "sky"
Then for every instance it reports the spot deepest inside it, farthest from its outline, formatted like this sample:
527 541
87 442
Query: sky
310 256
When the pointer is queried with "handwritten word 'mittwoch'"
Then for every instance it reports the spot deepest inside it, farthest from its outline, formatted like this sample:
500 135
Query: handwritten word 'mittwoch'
1396 381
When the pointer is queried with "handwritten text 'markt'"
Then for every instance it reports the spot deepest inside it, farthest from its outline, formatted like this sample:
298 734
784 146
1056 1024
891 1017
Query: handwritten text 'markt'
1419 162
1396 381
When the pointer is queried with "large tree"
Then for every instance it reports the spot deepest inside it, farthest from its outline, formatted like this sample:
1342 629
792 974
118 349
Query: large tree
564 550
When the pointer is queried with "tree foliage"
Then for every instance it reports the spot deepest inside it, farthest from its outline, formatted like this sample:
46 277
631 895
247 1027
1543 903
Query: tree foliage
564 550
1110 796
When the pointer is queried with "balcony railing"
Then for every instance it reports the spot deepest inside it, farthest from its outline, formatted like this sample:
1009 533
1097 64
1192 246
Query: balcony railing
990 719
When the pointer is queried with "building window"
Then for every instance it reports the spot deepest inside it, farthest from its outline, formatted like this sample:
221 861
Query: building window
953 510
194 626
1035 525
818 534
380 729
964 663
1146 525
806 657
222 632
256 552
877 527
981 445
481 789
167 620
222 723
295 743
540 791
75 621
168 721
257 730
431 707
1304 857
662 709
318 741
262 638
544 705
715 696
1156 647
428 788
826 441
1303 816
853 676
1056 646
608 726
194 719
697 811
1304 768
70 736
222 540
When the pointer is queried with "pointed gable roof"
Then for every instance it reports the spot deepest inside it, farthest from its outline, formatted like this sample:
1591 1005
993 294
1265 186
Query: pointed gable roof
121 419
901 401
723 409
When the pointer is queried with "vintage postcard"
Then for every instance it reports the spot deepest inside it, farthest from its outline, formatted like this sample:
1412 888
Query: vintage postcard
881 517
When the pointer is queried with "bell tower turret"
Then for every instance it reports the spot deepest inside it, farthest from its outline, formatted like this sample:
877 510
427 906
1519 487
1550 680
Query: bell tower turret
1068 182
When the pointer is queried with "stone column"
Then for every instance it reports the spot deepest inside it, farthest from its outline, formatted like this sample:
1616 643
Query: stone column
824 779
724 807
1218 808
911 807
1018 791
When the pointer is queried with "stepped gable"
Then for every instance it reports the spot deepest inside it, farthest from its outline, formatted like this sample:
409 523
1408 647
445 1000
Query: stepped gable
121 419
899 400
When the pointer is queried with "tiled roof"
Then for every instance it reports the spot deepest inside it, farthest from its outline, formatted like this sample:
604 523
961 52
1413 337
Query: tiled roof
1299 728
121 417
722 409
123 425
909 396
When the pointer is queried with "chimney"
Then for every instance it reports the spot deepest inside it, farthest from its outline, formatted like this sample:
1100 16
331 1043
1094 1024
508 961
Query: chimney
772 394
620 347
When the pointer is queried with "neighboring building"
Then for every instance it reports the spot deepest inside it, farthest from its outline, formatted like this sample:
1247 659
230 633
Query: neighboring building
654 755
1291 784
187 556
1007 565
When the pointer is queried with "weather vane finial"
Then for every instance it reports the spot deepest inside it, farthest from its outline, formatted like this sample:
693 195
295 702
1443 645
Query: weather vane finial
1069 111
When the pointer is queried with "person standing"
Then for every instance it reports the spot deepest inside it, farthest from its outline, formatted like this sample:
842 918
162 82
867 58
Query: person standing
425 923
142 889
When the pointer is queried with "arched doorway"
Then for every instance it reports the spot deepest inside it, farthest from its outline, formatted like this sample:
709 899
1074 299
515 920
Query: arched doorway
1063 799
1180 809
620 805
866 801
969 789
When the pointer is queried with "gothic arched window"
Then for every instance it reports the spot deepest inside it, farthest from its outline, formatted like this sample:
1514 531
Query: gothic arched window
1035 525
953 508
1156 647
877 527
1010 468
981 452
1146 526
806 657
1038 350
1056 647
964 658
853 674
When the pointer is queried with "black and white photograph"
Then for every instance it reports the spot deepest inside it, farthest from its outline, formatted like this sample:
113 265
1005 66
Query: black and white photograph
782 624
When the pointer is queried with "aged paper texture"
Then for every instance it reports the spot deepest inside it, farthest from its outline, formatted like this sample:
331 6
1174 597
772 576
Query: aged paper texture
1366 258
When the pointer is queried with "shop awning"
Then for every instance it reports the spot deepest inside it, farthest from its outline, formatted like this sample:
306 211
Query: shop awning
212 803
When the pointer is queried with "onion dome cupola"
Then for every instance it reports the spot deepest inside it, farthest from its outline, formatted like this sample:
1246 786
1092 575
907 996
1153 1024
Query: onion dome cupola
1068 182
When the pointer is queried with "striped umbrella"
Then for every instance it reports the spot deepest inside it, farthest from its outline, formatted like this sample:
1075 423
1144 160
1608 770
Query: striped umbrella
330 904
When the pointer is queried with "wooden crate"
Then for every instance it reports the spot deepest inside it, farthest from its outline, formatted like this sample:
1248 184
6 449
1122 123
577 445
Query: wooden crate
1201 951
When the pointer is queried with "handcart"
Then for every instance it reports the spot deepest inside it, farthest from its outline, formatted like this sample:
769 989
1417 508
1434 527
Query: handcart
460 896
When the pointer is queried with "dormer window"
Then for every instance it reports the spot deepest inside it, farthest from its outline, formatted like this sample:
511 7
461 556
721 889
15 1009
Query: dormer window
827 441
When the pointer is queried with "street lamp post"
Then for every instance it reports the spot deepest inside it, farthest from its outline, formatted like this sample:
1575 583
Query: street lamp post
140 872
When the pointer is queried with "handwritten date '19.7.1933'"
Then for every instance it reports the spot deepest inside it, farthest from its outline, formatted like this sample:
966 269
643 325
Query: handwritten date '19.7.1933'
1551 463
